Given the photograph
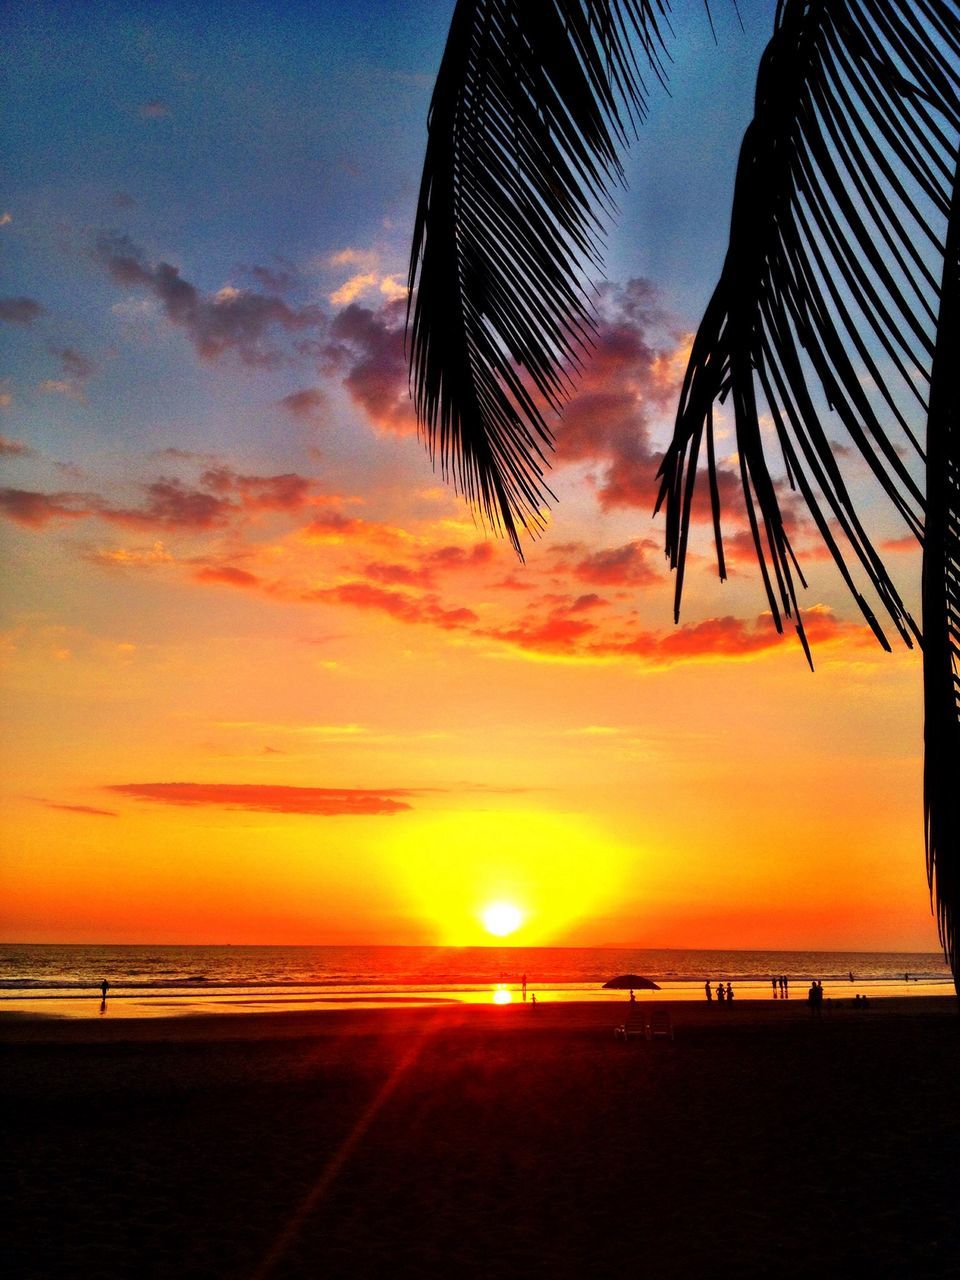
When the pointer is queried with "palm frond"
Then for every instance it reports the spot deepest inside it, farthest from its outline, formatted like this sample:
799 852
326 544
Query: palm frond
846 201
843 184
532 101
941 608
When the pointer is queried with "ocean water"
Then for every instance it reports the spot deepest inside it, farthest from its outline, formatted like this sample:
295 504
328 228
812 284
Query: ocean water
164 981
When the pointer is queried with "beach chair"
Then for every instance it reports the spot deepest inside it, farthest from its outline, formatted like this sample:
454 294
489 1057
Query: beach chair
632 1028
660 1025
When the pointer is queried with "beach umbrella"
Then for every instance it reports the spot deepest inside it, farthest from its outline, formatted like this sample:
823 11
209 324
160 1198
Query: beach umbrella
632 982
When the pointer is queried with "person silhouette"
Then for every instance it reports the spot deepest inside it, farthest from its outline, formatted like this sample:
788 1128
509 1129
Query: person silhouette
633 998
721 994
104 988
524 984
709 990
729 991
773 983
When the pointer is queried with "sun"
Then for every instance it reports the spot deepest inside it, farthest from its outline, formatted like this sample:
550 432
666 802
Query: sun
501 918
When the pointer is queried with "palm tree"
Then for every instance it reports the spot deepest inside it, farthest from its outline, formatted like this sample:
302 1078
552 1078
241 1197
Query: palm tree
840 292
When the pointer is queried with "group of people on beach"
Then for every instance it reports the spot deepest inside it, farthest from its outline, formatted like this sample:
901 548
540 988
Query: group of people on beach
724 993
815 996
781 987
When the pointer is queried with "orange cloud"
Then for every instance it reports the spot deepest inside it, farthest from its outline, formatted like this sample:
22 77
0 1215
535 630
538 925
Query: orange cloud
263 798
627 565
406 608
228 576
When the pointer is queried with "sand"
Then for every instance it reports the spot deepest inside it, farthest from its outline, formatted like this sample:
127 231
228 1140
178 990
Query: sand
485 1142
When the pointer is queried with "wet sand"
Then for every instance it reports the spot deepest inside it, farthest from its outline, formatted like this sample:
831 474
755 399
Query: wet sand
485 1142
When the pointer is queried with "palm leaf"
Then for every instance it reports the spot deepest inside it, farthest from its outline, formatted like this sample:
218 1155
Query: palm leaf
532 100
830 292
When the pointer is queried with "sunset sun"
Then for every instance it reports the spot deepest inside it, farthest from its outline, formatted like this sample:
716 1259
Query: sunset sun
501 918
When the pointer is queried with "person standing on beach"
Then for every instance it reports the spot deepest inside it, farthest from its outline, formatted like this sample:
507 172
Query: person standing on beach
729 990
773 983
720 993
709 992
104 988
524 984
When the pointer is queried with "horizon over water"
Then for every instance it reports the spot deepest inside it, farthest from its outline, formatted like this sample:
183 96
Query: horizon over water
145 980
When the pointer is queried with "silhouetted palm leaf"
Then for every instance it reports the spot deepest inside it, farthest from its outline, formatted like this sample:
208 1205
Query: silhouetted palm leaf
830 293
524 124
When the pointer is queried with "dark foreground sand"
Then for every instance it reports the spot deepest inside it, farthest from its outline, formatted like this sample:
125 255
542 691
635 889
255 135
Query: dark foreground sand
483 1142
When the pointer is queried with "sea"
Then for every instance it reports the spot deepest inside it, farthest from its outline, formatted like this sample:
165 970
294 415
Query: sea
170 981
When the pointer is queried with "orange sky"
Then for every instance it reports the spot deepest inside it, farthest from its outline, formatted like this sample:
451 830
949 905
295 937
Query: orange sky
265 680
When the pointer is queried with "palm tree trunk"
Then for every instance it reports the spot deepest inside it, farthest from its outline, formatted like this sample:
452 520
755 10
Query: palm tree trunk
941 607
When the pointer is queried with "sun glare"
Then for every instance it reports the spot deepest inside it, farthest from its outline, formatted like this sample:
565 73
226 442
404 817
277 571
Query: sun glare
502 994
501 918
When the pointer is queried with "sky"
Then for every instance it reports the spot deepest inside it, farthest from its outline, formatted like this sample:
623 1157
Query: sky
266 679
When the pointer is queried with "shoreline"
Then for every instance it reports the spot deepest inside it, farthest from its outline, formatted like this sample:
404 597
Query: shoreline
566 1015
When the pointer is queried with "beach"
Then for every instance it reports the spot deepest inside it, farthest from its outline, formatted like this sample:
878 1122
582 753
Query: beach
468 1141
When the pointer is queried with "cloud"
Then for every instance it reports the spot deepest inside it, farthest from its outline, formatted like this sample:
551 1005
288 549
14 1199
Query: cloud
155 109
288 491
555 634
627 565
733 638
172 504
352 288
907 544
263 798
34 510
62 387
423 570
77 370
277 279
76 366
86 809
20 310
133 557
398 604
336 527
238 321
366 259
366 348
185 455
222 496
308 404
229 576
15 449
630 379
